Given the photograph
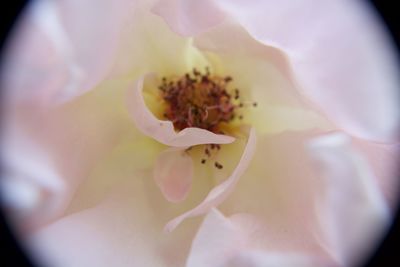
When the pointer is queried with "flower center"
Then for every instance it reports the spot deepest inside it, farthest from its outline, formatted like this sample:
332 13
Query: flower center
204 101
200 100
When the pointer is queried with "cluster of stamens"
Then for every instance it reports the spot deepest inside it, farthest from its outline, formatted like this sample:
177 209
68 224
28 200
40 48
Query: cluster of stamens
201 100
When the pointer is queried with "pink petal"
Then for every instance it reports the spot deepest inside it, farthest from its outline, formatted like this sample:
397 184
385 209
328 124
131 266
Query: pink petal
124 229
280 188
163 131
352 209
51 57
240 241
175 14
338 52
383 159
173 173
219 193
68 140
32 190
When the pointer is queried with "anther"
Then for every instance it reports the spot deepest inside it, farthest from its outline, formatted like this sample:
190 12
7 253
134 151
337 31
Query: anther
228 79
198 99
218 166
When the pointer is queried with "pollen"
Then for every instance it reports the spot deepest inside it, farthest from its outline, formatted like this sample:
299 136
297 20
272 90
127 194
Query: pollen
200 100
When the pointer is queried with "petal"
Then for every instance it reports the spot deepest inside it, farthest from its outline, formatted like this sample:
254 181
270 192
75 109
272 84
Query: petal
338 53
340 56
124 229
261 74
352 208
383 159
240 241
32 190
51 56
163 131
219 193
280 187
175 14
173 173
62 144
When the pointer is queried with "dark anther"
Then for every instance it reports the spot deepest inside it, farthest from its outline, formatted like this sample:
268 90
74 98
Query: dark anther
198 99
203 161
218 166
228 79
255 104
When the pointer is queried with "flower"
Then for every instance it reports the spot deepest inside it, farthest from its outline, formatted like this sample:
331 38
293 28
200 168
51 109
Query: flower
305 179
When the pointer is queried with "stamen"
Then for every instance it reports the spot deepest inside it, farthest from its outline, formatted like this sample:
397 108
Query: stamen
199 100
202 100
218 166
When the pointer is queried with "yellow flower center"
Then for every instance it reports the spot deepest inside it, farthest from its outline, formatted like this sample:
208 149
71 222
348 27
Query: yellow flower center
200 100
204 101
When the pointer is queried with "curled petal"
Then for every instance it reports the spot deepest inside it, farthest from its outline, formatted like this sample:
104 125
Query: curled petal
352 210
219 193
173 173
163 131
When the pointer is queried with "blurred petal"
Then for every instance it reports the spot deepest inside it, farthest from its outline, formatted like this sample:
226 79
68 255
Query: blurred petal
51 58
124 229
352 209
338 52
173 173
384 161
31 189
219 193
163 131
62 144
240 241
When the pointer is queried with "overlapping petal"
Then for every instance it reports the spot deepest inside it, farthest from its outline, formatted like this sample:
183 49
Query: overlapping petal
173 173
352 208
240 240
330 53
219 193
278 55
123 229
51 57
